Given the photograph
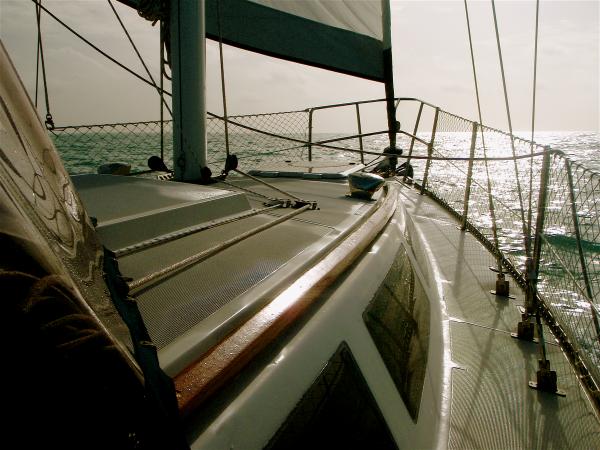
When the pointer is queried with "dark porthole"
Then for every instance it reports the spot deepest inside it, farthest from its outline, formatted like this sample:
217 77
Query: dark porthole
398 321
337 411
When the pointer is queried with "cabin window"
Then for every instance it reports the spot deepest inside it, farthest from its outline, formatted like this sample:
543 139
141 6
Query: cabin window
337 411
398 321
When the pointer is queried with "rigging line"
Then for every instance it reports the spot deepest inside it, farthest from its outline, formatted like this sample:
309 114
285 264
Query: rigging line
510 129
165 61
287 138
258 180
162 98
169 237
37 57
172 269
181 162
279 201
535 55
138 53
43 60
487 170
366 152
223 92
49 121
106 55
332 147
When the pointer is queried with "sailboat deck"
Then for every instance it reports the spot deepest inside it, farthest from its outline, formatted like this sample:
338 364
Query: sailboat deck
189 312
492 405
318 169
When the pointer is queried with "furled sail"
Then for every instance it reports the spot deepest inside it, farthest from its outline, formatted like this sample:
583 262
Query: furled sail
344 35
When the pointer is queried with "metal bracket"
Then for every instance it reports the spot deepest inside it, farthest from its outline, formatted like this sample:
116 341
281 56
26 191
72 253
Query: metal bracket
502 287
525 329
546 379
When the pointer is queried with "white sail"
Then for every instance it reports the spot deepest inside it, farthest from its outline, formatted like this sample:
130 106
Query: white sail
362 17
345 36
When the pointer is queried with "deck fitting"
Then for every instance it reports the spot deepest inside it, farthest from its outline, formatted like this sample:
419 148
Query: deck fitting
502 287
525 330
546 379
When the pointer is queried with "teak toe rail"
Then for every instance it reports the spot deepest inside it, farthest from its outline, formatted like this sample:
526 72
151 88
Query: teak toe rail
219 365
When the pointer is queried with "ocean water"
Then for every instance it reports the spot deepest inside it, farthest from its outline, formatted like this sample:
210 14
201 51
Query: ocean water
583 147
85 151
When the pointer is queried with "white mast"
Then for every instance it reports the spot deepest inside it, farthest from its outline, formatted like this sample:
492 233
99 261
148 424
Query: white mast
188 66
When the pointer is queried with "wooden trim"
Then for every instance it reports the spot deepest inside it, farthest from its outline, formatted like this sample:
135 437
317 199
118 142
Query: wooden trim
213 370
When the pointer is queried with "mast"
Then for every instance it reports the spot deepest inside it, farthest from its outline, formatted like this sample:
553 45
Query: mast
388 73
188 62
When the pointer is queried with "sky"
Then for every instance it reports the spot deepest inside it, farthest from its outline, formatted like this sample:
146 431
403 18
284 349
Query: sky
430 51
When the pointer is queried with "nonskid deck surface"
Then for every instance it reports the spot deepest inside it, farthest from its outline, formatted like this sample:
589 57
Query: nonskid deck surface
229 286
492 405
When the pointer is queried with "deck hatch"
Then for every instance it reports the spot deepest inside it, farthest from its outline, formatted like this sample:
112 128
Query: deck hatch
337 411
398 321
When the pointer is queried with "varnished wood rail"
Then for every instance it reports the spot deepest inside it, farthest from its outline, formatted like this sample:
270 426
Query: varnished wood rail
219 365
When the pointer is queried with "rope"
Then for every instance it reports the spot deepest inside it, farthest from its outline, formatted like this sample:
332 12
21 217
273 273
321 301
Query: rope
487 171
268 185
40 58
162 98
37 56
250 191
135 49
152 278
144 245
106 55
165 48
366 152
333 147
223 92
535 55
225 117
510 129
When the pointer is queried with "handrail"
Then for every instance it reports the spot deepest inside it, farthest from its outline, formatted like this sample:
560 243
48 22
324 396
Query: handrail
204 377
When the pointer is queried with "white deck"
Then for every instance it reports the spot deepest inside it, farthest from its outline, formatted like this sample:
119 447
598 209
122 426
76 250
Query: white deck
492 405
476 393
